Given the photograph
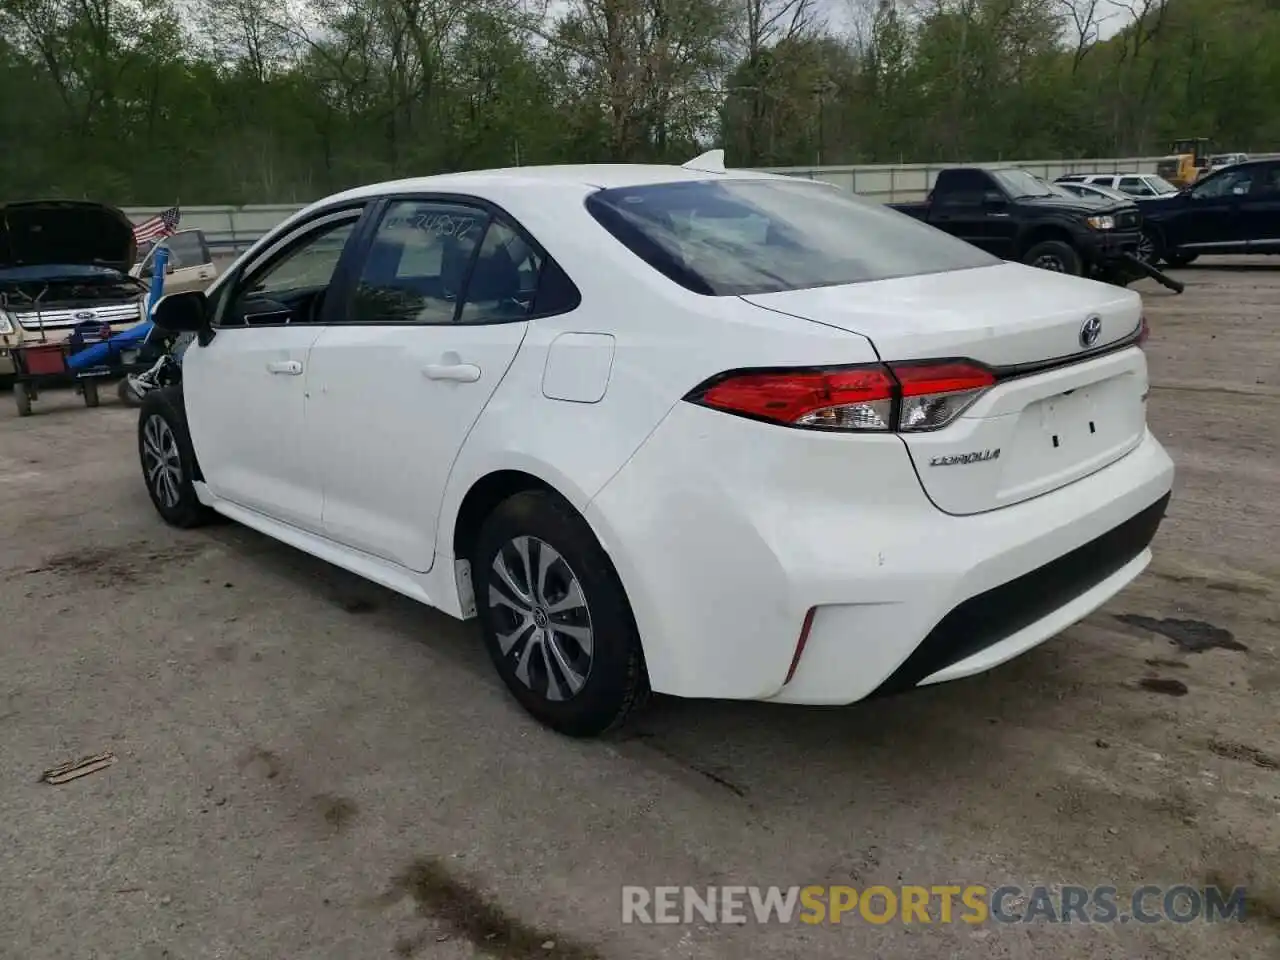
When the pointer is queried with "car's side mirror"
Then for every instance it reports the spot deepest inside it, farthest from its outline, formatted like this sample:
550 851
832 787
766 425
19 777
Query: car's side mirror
186 312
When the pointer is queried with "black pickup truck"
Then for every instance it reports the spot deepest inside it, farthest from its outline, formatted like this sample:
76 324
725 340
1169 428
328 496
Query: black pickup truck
1018 216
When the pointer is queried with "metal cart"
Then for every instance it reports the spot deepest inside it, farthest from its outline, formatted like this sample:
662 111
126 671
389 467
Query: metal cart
47 364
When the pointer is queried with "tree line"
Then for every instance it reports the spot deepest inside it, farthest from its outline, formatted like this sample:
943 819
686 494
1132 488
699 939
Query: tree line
241 101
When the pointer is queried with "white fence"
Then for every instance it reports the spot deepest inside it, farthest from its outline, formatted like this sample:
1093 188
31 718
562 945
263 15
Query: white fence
233 228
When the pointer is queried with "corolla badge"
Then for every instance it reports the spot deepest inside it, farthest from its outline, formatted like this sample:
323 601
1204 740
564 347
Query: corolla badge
1090 331
960 459
85 315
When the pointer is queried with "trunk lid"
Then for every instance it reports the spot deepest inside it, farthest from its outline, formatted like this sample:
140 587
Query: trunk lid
1061 409
70 232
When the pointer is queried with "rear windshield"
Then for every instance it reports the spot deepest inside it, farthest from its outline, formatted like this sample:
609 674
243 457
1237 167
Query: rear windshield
738 237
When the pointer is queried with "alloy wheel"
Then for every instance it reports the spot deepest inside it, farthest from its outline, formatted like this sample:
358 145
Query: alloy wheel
1050 261
543 625
161 462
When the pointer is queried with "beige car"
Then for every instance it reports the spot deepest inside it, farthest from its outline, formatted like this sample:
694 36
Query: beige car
76 275
190 265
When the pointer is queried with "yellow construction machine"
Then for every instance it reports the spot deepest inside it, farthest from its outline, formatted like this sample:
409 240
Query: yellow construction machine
1187 161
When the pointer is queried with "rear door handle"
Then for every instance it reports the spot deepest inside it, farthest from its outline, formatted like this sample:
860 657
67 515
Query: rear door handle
458 372
289 367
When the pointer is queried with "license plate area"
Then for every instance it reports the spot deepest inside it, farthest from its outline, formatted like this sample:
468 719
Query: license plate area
1075 422
1071 434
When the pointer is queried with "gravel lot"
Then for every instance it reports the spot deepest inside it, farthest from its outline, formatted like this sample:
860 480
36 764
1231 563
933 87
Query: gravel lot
309 766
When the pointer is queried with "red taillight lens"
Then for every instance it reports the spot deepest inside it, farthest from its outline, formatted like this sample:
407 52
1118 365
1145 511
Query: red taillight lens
878 397
1144 331
849 398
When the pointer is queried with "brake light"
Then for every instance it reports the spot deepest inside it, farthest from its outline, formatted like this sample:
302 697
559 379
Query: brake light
1144 331
849 398
912 397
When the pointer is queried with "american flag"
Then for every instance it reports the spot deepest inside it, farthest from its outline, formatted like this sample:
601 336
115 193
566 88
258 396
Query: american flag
162 225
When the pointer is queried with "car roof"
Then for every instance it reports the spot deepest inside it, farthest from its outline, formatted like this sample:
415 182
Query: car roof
588 175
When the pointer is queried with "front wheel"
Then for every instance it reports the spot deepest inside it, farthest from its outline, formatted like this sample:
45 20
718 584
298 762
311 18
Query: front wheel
1150 247
169 461
1055 255
555 618
22 398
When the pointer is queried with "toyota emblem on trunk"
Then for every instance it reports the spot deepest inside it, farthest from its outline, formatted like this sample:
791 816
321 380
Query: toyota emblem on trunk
1090 331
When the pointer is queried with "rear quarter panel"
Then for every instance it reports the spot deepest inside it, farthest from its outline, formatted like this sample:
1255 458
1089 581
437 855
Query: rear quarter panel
667 340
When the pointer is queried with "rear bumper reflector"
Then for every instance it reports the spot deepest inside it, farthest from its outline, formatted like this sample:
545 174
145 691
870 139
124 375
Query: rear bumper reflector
804 637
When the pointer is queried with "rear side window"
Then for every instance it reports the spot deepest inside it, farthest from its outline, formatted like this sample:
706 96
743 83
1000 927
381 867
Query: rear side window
736 237
417 264
504 280
961 186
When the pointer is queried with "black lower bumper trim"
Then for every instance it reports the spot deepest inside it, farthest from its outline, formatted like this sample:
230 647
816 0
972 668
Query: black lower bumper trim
1002 611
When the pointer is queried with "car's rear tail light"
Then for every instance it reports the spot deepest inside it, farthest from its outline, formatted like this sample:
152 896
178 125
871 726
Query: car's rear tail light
1144 331
911 397
849 398
934 394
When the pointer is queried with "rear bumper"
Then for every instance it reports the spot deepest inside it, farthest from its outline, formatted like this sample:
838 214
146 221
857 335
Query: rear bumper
725 543
1001 622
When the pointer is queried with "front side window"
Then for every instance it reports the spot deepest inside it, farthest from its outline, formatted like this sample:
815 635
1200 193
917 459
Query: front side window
735 237
1227 184
290 285
418 262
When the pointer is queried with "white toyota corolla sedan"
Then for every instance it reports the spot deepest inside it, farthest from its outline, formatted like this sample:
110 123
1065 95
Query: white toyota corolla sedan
709 433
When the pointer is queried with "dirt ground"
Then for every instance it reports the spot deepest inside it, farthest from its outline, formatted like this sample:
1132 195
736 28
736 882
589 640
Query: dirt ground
309 766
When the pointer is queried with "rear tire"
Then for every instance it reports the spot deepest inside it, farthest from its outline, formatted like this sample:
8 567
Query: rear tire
22 399
555 617
169 461
90 390
1055 255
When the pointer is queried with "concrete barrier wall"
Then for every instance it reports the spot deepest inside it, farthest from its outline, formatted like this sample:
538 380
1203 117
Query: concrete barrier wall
231 229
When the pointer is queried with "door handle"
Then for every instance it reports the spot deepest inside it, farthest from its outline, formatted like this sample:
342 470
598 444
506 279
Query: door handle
458 372
290 367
